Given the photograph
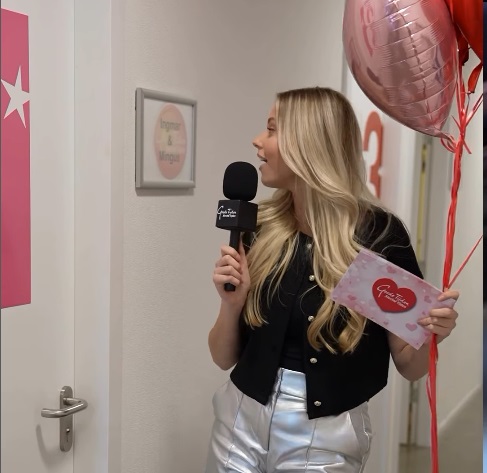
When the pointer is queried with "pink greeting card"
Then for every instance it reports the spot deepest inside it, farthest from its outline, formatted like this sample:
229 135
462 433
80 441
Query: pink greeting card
389 296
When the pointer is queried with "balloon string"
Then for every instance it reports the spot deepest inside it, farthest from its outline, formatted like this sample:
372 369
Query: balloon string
460 269
431 390
433 354
456 147
450 230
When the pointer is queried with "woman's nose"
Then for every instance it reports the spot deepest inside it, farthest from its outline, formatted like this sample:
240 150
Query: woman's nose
257 141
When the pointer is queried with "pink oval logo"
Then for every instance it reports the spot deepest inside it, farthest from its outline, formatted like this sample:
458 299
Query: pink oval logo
170 143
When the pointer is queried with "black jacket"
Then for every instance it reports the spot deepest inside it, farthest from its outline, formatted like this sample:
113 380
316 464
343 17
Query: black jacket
334 382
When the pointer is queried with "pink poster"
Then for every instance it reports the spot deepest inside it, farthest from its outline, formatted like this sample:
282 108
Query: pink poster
15 160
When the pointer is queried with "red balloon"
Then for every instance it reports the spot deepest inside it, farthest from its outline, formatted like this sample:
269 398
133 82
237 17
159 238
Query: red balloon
467 15
403 55
468 18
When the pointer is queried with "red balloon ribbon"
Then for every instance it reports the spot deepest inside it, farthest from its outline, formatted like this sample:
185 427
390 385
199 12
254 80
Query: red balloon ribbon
455 146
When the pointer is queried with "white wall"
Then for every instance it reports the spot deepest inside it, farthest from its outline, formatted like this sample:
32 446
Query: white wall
232 57
99 86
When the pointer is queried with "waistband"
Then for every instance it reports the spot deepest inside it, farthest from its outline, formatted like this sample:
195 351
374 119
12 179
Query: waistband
290 382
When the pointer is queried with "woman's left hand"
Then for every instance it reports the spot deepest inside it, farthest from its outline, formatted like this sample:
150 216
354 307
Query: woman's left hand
443 320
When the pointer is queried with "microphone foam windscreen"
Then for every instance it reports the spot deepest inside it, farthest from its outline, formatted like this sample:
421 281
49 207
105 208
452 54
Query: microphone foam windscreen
240 181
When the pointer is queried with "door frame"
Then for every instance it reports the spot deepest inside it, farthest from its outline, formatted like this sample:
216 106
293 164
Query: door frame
99 148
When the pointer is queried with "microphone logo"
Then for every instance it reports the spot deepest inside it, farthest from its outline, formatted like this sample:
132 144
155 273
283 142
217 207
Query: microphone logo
228 213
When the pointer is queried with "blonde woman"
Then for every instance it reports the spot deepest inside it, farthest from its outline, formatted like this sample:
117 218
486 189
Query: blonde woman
305 368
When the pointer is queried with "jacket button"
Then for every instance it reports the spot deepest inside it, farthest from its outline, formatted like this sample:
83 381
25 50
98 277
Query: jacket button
310 318
312 278
317 403
313 360
309 245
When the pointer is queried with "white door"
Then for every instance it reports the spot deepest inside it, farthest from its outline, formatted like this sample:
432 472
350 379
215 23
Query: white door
37 337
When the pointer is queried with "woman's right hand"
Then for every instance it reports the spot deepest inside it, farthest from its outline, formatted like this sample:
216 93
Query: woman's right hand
232 268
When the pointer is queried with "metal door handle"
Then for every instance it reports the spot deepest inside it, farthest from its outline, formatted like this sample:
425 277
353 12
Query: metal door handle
75 405
68 405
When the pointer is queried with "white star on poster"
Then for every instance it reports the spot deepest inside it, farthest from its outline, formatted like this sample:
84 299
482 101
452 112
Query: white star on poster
17 97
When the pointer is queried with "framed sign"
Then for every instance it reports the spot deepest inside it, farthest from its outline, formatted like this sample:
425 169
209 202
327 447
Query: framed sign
165 132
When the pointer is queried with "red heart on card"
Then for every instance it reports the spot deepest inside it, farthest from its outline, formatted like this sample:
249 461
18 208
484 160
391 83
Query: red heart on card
391 298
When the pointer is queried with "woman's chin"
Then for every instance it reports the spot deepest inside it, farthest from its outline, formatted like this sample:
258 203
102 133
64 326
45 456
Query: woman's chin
265 179
269 183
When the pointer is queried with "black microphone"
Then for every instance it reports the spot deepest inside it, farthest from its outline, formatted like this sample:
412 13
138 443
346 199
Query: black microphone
237 214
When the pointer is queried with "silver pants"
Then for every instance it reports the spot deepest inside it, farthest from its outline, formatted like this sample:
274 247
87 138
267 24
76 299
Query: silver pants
248 437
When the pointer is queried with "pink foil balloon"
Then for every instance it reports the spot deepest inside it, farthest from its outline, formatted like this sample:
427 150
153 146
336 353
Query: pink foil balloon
403 55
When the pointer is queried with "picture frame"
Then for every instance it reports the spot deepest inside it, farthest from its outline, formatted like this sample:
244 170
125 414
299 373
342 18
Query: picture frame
165 140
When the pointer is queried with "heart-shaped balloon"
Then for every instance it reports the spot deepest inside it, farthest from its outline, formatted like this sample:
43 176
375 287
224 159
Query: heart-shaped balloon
467 17
403 55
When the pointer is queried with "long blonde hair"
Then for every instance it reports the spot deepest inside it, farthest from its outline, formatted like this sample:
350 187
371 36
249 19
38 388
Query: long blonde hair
319 140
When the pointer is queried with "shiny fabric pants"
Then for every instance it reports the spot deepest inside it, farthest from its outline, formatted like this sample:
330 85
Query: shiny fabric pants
248 437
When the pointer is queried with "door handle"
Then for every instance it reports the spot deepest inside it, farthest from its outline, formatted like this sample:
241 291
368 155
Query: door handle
68 405
75 405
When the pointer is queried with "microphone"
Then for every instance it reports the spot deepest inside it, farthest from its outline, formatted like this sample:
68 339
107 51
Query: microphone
237 214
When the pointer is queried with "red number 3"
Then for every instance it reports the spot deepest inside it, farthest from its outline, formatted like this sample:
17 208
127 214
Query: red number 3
374 125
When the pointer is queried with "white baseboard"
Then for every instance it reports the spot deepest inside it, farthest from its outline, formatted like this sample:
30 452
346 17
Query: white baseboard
445 423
